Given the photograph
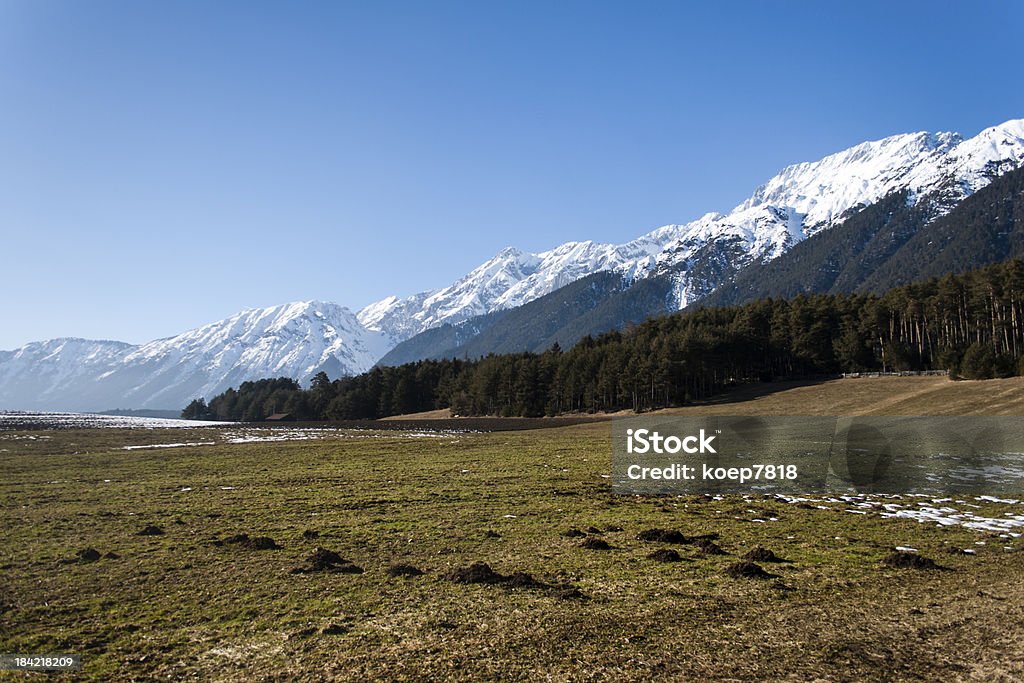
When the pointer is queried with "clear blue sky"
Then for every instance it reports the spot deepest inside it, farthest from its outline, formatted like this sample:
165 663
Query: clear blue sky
166 164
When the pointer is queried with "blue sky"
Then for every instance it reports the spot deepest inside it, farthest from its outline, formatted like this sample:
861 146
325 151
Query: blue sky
166 164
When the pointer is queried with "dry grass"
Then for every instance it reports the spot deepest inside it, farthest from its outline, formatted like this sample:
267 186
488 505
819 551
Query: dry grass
870 396
442 414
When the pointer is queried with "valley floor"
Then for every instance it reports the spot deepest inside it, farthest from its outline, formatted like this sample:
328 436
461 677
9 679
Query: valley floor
194 599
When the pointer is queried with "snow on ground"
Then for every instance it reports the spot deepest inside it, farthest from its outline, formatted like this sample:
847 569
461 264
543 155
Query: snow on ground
168 445
259 434
23 420
937 511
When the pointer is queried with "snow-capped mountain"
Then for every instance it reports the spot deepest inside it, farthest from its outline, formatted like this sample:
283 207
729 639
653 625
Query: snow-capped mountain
798 202
293 340
300 339
512 278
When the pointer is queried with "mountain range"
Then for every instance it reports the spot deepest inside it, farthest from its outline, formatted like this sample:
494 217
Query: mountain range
868 217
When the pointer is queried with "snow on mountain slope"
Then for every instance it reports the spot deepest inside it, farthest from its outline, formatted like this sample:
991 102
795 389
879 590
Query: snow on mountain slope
293 340
37 375
825 190
806 198
822 191
512 278
799 201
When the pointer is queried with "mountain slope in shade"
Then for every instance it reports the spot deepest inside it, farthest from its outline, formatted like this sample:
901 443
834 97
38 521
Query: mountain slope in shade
293 340
892 243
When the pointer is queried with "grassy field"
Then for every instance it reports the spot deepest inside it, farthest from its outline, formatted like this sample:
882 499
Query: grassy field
191 603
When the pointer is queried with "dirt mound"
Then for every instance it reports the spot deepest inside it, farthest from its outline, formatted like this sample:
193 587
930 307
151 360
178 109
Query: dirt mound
760 554
709 547
397 570
254 543
491 533
151 530
310 534
82 557
662 536
665 555
111 556
573 533
595 544
262 543
904 560
613 528
324 560
593 530
85 556
478 572
481 572
673 536
524 580
88 555
748 570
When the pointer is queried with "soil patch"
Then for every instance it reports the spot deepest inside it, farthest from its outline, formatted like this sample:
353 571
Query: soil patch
481 572
324 560
88 555
151 531
251 543
665 555
524 580
760 554
748 570
396 570
478 572
595 544
673 536
709 547
662 536
905 560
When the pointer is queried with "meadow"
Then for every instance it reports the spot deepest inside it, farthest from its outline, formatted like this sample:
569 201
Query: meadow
299 560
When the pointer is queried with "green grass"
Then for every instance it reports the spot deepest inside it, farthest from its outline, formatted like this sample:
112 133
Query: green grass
179 606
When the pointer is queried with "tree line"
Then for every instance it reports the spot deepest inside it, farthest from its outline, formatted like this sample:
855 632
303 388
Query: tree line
970 324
